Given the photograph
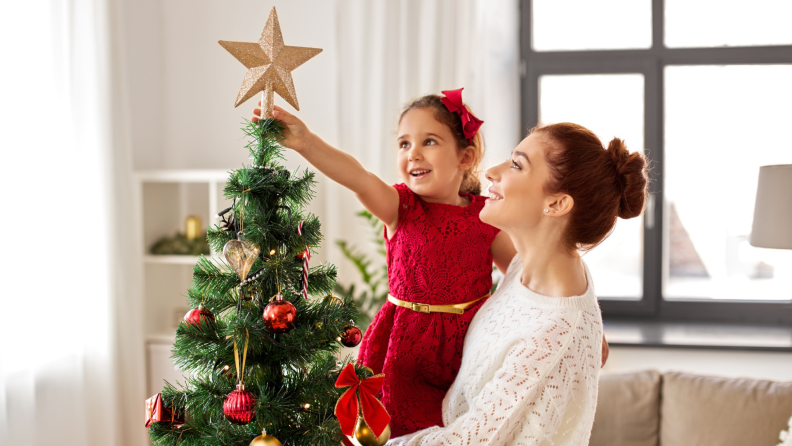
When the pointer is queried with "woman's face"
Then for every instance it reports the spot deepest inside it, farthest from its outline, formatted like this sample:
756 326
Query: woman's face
517 196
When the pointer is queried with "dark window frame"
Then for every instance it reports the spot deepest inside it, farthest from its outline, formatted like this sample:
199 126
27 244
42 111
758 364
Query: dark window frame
651 63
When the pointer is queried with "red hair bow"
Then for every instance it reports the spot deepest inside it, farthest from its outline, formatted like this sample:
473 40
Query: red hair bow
346 409
454 104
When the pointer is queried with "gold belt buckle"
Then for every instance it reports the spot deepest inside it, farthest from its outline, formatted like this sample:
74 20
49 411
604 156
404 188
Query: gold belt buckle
420 308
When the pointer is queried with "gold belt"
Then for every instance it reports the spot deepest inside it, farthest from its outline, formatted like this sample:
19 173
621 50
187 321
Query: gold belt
426 308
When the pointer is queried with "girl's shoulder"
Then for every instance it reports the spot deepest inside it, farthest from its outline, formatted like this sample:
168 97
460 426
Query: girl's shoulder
402 188
477 201
408 200
406 195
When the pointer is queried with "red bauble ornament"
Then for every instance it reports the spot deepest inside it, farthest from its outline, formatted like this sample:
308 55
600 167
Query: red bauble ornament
198 316
279 315
238 406
351 336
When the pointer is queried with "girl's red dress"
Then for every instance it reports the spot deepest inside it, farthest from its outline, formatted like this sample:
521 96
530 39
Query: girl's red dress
439 254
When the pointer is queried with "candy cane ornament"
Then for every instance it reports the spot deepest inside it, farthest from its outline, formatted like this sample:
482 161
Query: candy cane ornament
305 257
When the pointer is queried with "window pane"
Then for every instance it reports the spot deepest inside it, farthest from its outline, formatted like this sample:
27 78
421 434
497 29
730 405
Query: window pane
708 23
560 25
608 105
722 123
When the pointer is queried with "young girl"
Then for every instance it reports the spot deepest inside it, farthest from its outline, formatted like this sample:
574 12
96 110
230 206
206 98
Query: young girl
439 252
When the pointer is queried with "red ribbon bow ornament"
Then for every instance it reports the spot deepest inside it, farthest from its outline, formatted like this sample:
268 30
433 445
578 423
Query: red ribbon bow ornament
346 410
454 104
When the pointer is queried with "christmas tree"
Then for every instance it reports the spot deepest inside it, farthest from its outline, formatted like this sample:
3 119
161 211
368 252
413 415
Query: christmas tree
261 354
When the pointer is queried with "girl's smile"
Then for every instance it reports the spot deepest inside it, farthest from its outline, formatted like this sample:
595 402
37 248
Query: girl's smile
419 173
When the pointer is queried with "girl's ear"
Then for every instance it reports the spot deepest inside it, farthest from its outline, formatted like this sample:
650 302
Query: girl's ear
466 158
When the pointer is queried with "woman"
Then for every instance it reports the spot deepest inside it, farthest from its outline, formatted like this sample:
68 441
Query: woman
530 364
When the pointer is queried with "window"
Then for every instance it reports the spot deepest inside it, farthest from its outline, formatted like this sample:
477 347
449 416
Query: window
703 89
609 104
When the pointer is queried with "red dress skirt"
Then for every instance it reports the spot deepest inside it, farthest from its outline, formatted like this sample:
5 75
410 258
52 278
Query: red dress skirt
439 255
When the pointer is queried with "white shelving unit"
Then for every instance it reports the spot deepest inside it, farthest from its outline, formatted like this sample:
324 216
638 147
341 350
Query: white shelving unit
164 199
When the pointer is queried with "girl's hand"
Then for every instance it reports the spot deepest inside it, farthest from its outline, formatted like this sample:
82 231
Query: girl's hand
296 136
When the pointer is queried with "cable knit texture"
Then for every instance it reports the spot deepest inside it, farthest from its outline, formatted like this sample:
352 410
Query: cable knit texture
529 372
438 255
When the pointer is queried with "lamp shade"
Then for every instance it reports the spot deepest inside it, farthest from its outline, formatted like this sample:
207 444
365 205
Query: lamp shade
772 223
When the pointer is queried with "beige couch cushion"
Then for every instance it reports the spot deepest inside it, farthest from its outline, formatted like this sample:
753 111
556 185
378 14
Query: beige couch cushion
627 410
702 411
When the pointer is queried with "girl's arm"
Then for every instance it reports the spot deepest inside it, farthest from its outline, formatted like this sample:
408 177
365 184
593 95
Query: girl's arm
503 251
379 198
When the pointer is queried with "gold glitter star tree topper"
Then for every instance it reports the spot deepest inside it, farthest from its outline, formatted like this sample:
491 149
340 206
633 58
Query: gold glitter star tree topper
270 63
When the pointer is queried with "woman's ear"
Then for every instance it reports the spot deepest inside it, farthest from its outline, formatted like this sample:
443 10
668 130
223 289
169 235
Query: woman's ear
466 158
559 205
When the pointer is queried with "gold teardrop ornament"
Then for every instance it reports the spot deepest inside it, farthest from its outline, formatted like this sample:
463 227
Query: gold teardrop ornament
240 255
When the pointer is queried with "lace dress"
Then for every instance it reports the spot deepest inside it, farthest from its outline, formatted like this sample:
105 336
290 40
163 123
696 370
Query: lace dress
529 375
439 254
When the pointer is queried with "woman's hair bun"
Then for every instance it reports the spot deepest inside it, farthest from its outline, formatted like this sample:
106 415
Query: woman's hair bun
631 175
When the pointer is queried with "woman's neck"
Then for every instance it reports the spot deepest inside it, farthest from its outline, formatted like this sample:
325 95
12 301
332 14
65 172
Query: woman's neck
548 269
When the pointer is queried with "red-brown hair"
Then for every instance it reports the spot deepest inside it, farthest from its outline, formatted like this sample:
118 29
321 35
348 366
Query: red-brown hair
470 181
604 183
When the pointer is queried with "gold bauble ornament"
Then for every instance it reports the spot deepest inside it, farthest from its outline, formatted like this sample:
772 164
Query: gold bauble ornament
265 440
366 437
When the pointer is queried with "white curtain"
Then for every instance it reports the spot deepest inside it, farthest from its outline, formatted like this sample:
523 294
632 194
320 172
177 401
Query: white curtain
390 52
71 358
71 344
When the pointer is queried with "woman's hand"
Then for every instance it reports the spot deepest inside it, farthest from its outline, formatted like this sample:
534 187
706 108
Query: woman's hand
296 136
605 351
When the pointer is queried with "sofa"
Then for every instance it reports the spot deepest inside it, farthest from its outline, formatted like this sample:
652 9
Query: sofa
679 409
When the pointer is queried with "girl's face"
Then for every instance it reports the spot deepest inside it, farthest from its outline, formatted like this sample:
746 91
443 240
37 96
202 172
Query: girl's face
428 159
517 196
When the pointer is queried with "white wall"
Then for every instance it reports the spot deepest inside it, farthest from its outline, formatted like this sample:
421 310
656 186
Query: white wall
183 84
725 363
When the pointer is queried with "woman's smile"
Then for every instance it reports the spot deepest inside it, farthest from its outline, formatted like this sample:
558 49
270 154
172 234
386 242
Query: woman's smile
494 196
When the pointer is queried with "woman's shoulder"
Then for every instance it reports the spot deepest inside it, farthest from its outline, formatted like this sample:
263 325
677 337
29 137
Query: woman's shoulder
516 312
512 284
514 268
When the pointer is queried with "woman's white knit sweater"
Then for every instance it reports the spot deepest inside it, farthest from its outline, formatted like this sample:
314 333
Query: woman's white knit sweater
529 373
